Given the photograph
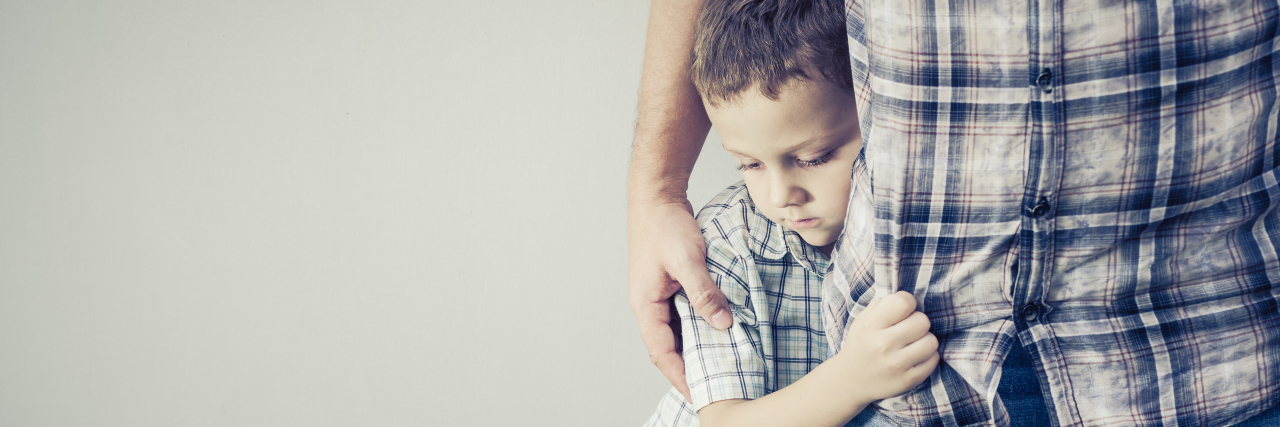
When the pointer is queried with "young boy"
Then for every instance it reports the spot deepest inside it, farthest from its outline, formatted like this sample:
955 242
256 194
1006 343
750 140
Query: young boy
775 79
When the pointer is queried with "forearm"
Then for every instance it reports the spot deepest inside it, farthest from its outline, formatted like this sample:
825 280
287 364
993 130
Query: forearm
824 397
672 122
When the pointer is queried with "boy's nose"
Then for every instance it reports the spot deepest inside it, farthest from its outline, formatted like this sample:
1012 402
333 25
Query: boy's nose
784 192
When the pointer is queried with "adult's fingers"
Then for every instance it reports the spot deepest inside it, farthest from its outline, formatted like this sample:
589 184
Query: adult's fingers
706 298
672 367
660 342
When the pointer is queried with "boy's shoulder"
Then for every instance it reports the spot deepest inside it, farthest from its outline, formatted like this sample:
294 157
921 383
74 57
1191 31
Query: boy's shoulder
731 220
724 205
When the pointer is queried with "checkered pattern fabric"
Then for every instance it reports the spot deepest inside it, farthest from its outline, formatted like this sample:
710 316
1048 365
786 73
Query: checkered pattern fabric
772 280
1095 180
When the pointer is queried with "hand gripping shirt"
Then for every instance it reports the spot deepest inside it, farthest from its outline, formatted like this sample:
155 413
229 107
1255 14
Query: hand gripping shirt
1094 180
772 281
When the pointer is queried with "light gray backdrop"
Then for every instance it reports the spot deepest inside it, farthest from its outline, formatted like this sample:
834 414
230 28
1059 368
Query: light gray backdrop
320 213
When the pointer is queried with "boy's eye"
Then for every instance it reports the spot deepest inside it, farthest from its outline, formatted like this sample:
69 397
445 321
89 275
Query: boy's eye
818 161
748 166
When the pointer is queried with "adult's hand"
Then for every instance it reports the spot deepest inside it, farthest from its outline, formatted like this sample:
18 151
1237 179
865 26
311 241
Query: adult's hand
665 250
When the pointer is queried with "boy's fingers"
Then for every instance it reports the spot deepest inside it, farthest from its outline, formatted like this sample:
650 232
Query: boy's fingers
703 293
893 309
909 330
920 371
875 299
920 350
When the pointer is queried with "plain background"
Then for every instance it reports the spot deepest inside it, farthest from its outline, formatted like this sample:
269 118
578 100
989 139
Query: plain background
320 213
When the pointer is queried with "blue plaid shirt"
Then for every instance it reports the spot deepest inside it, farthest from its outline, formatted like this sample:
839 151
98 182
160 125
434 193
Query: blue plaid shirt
1092 179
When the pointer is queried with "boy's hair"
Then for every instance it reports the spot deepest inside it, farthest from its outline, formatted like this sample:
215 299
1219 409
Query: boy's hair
743 43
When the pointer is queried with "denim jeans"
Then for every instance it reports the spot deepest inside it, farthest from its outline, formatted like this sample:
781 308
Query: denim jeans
1020 391
870 418
1267 418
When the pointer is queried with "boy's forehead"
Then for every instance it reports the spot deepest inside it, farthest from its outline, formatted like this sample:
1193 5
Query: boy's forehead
773 146
806 115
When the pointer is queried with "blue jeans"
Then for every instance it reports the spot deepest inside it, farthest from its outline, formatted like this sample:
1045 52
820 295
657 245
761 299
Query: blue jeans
870 418
1019 389
1021 393
1267 418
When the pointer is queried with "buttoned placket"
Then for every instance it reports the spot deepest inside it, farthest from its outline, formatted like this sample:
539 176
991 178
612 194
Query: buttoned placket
1044 163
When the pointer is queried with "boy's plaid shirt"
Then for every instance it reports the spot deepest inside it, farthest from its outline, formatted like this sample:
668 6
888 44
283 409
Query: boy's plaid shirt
1095 179
772 280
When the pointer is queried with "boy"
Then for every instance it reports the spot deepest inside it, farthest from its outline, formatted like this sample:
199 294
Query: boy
774 77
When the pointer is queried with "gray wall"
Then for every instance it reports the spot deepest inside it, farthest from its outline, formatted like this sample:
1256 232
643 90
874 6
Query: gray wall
320 213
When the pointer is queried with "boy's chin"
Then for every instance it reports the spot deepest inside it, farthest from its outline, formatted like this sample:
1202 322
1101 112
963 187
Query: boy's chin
819 239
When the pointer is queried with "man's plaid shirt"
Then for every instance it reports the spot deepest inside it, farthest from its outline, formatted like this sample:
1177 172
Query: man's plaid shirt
772 280
1093 179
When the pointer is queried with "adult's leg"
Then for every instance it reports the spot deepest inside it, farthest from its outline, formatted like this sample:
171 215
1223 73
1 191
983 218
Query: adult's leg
1268 418
1019 390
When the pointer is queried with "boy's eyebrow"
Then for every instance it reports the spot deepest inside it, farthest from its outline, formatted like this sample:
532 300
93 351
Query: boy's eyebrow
730 150
817 140
800 146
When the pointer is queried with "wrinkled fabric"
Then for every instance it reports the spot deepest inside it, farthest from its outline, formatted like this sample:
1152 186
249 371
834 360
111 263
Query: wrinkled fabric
1095 180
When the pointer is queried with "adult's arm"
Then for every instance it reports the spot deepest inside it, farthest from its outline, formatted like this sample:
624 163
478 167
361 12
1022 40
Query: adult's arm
665 250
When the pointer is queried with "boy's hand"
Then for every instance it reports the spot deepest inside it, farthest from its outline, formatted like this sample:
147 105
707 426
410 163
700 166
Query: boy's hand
665 252
888 348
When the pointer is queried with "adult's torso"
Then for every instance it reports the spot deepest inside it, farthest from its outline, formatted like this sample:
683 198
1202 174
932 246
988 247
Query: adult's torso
1097 177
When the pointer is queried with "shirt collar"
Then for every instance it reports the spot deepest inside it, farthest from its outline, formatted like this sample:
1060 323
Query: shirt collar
779 241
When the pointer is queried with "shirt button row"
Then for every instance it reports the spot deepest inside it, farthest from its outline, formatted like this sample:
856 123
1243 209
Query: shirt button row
1045 80
1041 208
1030 313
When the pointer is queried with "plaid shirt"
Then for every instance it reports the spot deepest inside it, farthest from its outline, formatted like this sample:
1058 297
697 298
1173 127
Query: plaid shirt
772 280
1095 180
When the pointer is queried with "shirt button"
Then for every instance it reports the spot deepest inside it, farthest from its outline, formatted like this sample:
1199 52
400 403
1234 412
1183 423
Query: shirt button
1045 81
1030 313
1041 208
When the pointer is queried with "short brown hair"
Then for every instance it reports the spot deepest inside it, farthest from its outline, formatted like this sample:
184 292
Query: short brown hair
743 43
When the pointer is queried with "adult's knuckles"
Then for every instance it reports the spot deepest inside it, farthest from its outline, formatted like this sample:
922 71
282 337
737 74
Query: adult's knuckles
661 357
687 262
702 297
655 311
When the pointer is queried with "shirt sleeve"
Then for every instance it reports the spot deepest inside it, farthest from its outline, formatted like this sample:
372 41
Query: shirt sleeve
724 364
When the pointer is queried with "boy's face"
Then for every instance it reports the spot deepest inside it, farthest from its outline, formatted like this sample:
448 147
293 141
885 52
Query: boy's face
796 154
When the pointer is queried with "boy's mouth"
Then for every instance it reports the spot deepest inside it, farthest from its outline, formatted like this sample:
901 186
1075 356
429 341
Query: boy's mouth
803 223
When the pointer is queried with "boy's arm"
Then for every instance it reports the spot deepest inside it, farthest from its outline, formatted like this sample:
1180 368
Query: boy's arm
891 351
665 251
